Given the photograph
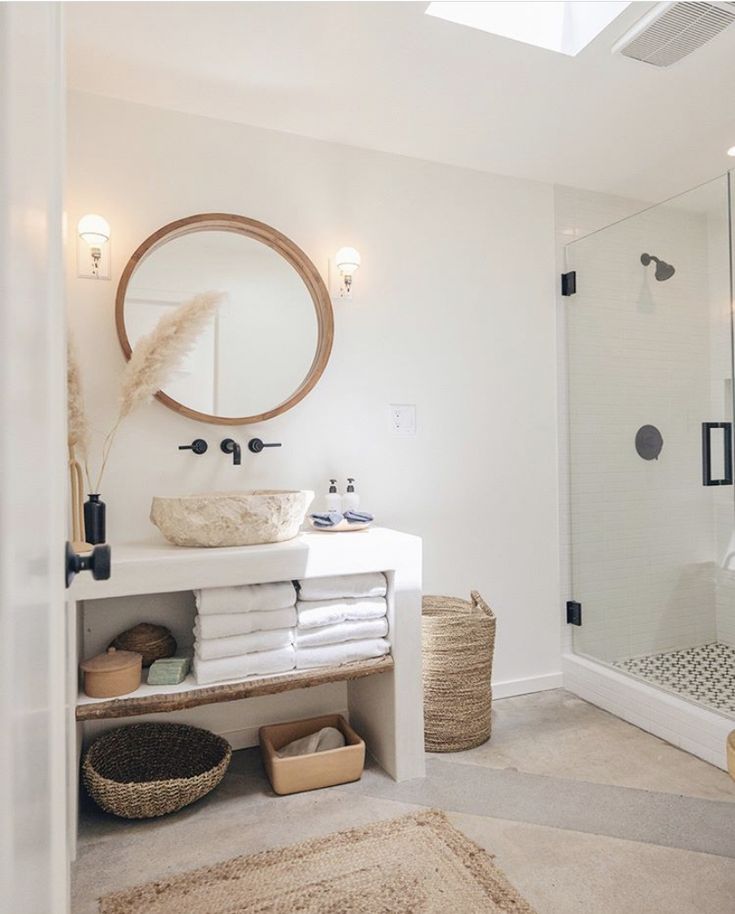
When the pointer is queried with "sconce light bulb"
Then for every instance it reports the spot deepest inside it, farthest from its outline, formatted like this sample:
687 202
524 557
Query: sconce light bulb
93 229
347 260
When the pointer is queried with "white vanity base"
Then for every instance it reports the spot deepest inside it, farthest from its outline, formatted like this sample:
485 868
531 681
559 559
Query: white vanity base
385 708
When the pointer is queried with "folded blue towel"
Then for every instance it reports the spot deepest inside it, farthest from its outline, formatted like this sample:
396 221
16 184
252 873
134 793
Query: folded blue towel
358 517
327 519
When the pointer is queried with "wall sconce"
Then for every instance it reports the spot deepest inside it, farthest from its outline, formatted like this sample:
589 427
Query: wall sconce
93 249
347 261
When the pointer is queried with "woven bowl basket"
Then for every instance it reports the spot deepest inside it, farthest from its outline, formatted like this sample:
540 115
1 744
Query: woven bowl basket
147 770
457 643
153 642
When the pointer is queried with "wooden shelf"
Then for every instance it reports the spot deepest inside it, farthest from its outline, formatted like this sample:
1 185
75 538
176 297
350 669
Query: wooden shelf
156 699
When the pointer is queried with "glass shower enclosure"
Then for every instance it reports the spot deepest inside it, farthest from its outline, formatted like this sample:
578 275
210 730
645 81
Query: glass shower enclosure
650 394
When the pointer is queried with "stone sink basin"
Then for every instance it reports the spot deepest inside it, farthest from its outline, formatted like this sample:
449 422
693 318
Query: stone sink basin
231 518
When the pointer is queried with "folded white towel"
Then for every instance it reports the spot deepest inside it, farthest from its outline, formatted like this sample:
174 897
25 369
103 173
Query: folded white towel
372 584
225 624
331 612
259 664
235 645
342 631
337 654
245 599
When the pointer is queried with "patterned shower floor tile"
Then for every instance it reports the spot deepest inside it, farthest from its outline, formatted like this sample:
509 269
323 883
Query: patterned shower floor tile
705 674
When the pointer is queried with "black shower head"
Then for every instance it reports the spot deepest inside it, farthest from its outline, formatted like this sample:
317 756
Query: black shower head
664 270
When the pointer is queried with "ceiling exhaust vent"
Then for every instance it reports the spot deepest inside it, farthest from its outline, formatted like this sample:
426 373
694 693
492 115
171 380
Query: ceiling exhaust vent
671 31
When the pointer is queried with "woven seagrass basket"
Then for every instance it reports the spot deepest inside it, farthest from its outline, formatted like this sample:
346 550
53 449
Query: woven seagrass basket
457 643
147 770
153 642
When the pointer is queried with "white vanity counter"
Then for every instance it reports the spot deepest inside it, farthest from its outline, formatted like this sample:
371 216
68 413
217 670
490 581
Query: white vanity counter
383 697
158 567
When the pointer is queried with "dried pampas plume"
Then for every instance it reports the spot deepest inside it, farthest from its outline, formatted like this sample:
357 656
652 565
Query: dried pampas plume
77 427
157 355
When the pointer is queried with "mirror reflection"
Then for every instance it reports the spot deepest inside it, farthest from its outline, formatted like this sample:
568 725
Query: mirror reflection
260 346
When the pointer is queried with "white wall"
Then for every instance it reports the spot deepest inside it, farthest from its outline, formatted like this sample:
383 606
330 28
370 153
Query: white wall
453 311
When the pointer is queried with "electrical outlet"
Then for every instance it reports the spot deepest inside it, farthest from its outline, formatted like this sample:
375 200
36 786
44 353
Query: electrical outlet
403 419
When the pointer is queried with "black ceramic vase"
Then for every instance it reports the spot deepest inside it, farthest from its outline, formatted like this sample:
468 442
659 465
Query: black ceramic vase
94 520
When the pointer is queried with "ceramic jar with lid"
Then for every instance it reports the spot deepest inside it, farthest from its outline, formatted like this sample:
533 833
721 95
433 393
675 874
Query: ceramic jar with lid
112 673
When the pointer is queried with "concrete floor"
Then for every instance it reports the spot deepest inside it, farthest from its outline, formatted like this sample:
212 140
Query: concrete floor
586 814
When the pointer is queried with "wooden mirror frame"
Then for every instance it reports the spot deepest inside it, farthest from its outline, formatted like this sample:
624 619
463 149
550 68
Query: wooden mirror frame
241 225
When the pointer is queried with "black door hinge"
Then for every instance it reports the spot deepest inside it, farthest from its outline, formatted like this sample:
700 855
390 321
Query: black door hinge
574 613
569 283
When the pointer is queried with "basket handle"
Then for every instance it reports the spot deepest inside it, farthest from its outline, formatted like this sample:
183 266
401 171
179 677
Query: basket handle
480 604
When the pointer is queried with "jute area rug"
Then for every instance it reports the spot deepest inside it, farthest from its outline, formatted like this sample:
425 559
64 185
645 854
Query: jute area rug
418 864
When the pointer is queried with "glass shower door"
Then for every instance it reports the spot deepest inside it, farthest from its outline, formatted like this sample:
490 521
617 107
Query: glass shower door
650 416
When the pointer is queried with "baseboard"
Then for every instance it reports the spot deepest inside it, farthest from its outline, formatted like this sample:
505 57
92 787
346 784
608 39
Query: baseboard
524 686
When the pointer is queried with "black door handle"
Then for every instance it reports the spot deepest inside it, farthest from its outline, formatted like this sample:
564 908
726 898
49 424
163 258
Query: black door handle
707 479
98 561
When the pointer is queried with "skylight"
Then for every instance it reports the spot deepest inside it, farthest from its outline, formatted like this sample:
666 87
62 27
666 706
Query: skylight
565 27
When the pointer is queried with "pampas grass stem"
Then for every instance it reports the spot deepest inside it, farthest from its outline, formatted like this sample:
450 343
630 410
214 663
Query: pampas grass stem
77 427
156 356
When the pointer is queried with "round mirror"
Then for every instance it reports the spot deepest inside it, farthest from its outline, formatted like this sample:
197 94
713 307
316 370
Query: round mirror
272 334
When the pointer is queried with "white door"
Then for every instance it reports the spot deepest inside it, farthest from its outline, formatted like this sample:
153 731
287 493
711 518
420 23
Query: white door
33 857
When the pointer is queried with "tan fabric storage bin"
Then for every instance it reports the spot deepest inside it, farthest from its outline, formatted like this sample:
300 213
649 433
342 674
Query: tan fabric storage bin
457 644
319 769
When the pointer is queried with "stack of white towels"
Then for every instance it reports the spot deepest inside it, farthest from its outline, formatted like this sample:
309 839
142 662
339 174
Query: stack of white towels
341 619
244 631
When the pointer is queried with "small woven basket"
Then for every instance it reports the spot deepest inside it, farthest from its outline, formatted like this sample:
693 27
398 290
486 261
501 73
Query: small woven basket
147 770
457 644
153 642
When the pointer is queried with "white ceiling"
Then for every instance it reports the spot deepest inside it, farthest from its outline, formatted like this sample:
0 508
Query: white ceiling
385 76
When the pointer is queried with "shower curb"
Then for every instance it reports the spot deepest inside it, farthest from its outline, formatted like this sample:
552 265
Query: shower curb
681 722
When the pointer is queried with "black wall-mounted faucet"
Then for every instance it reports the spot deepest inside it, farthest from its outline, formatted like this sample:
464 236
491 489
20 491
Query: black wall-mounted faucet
230 446
198 445
256 445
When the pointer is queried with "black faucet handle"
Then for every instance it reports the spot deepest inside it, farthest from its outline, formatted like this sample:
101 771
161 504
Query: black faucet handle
230 446
198 445
256 445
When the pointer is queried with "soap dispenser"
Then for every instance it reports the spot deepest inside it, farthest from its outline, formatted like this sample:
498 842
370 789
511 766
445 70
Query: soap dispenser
350 500
333 498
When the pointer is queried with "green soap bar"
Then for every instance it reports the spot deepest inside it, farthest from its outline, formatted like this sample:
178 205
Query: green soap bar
168 671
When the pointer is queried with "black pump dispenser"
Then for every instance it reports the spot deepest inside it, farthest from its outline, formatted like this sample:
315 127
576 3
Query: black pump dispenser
333 486
350 484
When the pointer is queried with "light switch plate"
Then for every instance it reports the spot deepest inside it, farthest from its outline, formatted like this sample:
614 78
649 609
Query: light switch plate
403 419
85 264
